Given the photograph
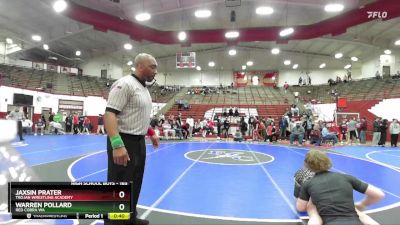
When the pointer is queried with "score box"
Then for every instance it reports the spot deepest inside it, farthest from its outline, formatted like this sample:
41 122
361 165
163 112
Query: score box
77 200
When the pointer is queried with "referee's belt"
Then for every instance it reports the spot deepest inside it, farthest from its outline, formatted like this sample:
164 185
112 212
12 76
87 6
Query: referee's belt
132 136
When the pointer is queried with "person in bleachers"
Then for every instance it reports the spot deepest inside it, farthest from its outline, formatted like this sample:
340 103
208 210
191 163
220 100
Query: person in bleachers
238 136
39 125
300 81
27 126
315 136
326 135
331 82
295 110
230 111
224 113
190 125
197 126
176 125
286 87
394 129
297 132
236 113
167 129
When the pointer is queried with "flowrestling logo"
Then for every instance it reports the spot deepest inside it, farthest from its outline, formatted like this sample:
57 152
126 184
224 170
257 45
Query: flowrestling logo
229 157
377 14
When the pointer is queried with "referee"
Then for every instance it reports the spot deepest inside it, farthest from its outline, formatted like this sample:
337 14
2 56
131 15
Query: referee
18 116
127 121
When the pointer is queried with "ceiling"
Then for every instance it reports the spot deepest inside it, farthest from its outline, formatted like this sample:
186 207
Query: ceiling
101 28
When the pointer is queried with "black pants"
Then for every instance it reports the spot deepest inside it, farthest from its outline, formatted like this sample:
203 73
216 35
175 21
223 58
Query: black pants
133 172
393 140
19 127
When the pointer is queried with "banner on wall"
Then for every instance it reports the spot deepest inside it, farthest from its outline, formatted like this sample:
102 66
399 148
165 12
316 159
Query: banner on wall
248 78
51 67
38 66
65 70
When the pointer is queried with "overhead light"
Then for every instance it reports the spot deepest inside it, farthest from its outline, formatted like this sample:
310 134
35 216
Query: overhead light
78 53
202 13
287 62
129 63
322 65
127 46
143 16
249 63
387 52
338 55
36 37
211 64
46 47
198 68
295 66
52 58
335 7
232 52
232 34
182 35
9 41
286 32
397 42
347 66
275 51
59 6
264 10
133 69
244 67
355 59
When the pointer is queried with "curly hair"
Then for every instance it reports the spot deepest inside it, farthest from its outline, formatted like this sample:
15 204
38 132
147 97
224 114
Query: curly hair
317 161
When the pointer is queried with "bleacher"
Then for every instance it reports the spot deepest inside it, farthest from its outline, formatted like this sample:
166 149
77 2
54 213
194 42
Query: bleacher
366 89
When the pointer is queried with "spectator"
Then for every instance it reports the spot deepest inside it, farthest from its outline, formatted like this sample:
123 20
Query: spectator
332 193
190 125
363 130
238 136
377 132
394 132
68 123
100 125
283 124
86 125
300 81
39 125
326 135
286 87
383 127
297 133
315 136
243 126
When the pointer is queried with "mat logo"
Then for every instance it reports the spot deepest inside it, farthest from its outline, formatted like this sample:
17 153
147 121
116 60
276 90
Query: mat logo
377 14
229 157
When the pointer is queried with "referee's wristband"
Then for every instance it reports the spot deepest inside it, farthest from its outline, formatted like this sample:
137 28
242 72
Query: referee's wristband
116 142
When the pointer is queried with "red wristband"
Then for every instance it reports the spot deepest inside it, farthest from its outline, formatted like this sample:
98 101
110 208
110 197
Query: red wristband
150 132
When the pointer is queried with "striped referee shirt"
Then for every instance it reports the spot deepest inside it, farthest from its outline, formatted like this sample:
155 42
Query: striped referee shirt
130 100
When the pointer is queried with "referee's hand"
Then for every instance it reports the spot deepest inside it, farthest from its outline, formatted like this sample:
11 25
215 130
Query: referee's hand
155 141
120 156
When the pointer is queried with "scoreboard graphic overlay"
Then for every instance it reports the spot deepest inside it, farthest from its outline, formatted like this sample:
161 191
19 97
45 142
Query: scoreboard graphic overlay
76 200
